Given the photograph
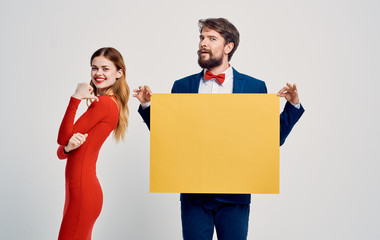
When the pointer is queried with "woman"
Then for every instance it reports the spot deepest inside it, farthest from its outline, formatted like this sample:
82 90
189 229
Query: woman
81 141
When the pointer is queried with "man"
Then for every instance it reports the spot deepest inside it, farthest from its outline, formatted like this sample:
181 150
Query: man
229 213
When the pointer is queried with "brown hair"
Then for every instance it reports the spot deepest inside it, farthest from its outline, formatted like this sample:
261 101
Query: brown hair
120 89
224 28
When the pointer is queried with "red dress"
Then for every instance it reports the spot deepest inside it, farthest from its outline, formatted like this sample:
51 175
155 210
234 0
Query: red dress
84 197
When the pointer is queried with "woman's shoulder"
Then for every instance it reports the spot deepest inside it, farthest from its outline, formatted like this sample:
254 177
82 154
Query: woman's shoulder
105 102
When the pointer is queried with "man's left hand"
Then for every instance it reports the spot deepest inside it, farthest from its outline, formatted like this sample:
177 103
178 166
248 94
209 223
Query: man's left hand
289 93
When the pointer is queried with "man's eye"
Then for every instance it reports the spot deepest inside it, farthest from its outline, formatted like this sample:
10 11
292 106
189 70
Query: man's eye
93 69
213 39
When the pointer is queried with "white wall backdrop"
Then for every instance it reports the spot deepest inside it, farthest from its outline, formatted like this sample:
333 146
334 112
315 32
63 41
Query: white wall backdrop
329 164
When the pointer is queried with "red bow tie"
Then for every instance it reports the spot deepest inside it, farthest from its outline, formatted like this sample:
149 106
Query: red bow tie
220 77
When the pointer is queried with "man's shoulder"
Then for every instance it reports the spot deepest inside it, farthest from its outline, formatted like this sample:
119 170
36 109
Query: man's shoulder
247 84
189 78
187 84
247 77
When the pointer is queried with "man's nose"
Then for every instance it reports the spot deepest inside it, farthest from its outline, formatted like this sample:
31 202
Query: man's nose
203 42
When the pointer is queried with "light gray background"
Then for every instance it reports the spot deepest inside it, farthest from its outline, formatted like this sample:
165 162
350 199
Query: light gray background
329 164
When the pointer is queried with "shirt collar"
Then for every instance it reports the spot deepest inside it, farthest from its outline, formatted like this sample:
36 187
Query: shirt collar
228 75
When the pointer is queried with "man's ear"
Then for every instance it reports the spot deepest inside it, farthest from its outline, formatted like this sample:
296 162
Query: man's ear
228 48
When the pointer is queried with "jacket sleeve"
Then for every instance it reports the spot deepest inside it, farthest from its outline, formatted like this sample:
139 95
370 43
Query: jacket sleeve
145 114
288 117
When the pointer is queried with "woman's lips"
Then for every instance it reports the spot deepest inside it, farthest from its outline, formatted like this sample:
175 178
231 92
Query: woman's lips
100 80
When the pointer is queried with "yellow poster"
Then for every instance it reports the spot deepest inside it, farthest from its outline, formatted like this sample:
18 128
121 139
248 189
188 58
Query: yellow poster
214 143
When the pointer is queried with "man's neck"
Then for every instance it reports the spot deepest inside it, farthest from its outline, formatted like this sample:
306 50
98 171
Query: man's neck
221 68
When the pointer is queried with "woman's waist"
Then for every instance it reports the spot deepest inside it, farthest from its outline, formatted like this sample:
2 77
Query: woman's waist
77 171
81 180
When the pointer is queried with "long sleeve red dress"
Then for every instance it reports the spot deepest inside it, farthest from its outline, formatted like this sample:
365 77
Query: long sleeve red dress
84 197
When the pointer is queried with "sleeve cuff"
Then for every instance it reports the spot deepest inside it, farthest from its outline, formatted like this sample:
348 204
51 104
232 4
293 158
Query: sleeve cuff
298 105
61 152
145 105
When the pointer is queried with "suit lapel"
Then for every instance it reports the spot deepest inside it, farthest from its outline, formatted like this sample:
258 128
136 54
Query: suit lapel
239 82
195 81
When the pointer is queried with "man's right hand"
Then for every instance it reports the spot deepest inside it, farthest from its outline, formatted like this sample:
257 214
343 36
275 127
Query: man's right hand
143 94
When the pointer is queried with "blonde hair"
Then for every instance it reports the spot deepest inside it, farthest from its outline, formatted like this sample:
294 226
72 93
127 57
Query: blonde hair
120 89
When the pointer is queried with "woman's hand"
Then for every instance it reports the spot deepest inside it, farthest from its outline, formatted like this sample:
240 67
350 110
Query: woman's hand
84 91
75 141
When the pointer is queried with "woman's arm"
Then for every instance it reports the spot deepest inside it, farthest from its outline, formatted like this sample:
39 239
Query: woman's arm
75 142
61 154
90 117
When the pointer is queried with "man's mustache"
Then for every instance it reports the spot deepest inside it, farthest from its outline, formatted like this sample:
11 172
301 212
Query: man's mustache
203 51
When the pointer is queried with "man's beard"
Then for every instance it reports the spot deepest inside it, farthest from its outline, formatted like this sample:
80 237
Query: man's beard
211 62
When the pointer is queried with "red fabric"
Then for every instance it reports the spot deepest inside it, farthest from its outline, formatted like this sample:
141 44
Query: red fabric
84 197
220 77
61 152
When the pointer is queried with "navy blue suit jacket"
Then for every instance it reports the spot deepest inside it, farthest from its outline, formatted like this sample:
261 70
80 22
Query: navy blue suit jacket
241 84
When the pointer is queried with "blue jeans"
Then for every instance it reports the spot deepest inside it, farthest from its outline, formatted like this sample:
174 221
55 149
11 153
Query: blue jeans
200 216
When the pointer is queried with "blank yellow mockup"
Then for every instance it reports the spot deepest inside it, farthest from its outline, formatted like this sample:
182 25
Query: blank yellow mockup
214 143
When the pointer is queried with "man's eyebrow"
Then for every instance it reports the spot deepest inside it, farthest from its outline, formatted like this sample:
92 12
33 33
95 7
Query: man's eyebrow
213 36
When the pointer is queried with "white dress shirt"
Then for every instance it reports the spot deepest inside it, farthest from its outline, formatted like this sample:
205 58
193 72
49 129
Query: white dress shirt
213 86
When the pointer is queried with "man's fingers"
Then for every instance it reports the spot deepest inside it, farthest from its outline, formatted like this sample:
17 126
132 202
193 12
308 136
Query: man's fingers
292 87
282 90
141 92
143 89
290 93
290 90
147 88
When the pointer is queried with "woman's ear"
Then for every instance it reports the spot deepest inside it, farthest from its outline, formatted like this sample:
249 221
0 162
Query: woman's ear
119 73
